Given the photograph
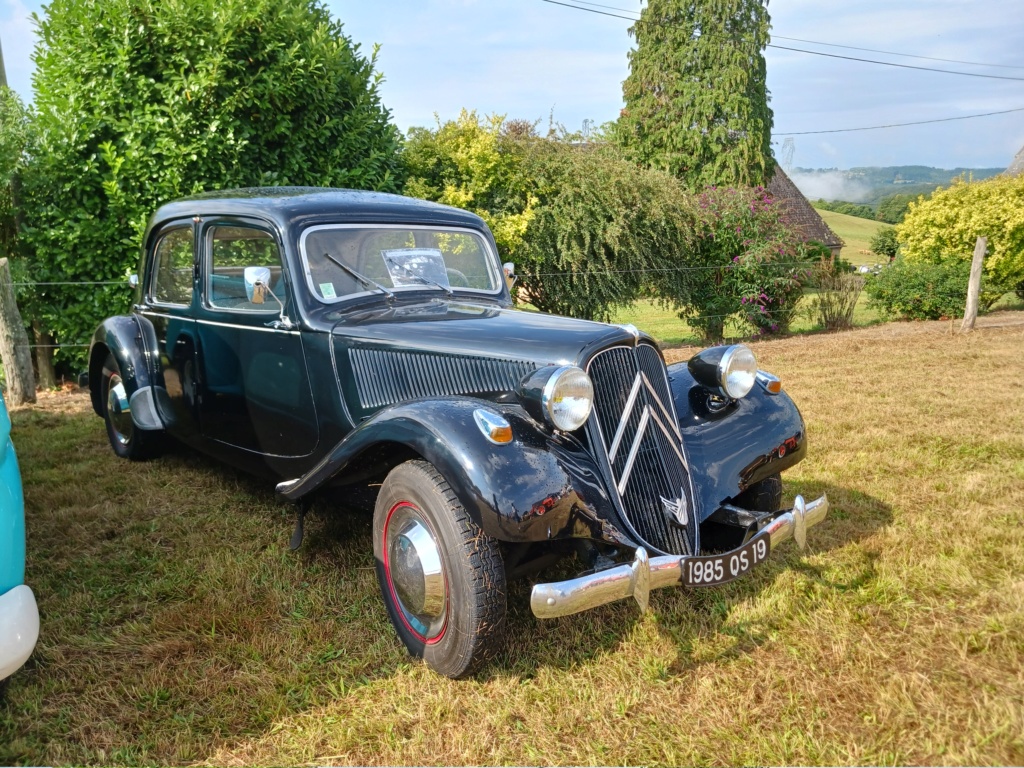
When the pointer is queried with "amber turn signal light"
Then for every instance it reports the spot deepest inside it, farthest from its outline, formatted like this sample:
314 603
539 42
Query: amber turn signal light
493 425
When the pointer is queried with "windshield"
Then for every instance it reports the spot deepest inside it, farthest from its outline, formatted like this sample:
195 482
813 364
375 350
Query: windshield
347 260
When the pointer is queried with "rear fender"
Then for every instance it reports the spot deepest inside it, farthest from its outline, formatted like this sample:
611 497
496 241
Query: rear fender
733 448
539 487
132 341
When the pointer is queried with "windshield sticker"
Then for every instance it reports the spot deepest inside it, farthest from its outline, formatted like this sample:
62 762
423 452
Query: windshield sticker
416 266
327 291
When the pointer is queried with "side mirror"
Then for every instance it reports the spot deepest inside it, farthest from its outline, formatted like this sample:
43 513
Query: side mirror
133 281
257 287
510 274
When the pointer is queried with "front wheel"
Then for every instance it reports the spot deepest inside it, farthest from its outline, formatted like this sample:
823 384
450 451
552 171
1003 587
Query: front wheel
127 441
442 578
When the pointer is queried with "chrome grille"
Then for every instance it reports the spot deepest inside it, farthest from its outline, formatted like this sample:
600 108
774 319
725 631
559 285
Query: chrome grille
385 377
634 421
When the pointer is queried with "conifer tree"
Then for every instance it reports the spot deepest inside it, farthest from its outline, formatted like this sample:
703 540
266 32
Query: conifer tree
696 97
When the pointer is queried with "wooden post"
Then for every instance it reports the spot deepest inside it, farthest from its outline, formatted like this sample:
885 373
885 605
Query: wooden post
974 286
14 349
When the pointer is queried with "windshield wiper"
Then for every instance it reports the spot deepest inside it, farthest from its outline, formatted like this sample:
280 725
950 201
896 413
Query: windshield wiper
425 280
361 278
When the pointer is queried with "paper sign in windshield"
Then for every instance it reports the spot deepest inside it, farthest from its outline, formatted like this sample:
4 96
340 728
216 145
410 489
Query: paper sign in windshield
416 266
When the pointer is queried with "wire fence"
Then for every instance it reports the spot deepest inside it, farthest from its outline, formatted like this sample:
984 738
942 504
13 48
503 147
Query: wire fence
789 265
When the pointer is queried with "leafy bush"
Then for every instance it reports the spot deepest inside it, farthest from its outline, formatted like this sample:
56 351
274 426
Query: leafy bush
473 163
140 101
837 292
744 261
584 226
15 137
943 229
884 243
925 291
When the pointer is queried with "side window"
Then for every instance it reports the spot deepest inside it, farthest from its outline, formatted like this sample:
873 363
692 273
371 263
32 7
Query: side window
245 267
172 267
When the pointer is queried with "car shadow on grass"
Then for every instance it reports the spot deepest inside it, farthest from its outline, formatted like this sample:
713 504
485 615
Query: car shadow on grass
703 625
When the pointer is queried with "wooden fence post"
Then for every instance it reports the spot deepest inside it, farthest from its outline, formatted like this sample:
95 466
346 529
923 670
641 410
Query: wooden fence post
14 349
974 286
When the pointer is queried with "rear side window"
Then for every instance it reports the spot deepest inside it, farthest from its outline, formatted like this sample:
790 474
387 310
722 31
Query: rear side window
172 267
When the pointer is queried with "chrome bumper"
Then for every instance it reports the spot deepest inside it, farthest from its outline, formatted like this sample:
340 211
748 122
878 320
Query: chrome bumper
564 598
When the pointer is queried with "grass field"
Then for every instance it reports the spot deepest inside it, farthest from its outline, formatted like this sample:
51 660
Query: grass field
178 628
670 331
856 233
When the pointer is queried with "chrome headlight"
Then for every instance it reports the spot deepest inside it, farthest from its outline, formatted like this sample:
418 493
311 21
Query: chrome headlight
561 396
726 371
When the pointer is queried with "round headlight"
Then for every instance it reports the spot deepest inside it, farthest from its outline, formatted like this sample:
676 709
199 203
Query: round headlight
568 397
737 371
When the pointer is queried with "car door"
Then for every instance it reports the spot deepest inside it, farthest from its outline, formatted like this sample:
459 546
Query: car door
169 304
255 391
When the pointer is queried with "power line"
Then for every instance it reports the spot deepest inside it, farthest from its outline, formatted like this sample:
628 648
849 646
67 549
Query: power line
894 53
802 50
900 125
835 45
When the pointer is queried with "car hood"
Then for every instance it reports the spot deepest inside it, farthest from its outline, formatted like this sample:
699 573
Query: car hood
463 329
446 349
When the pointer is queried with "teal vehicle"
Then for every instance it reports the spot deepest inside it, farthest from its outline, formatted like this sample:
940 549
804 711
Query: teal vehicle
19 617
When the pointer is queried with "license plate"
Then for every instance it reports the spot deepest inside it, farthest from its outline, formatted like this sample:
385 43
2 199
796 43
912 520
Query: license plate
708 570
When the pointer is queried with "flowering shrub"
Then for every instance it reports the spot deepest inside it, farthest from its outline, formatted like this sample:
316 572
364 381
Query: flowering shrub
745 262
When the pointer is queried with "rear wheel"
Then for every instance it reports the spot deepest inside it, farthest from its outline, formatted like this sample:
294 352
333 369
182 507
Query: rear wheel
126 439
442 578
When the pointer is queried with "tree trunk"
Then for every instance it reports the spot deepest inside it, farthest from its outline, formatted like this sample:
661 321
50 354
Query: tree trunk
14 348
44 357
974 286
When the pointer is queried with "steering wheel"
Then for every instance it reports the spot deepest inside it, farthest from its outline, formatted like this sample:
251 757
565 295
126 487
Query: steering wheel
456 278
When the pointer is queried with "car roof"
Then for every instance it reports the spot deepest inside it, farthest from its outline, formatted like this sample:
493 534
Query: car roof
305 205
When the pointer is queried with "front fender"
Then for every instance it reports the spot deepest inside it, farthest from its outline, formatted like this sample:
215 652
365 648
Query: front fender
747 441
539 487
132 342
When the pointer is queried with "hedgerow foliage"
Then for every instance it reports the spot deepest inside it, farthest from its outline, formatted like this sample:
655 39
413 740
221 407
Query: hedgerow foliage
590 231
603 230
15 134
142 101
583 225
920 290
471 163
944 228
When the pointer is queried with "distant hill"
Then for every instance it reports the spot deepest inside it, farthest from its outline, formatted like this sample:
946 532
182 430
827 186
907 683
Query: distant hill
869 185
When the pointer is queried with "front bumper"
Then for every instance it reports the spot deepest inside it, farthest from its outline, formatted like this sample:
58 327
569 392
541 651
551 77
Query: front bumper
564 598
19 629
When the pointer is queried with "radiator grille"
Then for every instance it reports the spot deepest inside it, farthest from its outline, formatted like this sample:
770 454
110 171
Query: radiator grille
385 377
634 422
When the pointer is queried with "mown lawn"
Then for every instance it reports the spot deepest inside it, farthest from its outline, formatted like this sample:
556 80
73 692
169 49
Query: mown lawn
178 628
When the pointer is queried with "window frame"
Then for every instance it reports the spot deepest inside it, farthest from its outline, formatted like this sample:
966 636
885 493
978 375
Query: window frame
271 307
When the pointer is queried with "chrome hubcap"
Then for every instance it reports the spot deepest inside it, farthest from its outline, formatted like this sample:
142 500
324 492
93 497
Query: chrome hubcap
119 410
416 572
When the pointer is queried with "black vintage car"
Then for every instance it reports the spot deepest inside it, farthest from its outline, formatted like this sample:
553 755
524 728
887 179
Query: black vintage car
332 338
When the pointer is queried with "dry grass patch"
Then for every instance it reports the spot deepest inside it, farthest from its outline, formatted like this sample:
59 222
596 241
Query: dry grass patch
177 628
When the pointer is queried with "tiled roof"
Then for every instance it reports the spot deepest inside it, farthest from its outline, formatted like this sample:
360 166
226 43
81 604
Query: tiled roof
798 213
1017 166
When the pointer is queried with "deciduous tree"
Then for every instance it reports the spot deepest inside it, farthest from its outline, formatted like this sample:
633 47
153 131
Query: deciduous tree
142 101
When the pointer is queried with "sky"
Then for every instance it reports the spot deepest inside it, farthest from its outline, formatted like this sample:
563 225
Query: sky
538 60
